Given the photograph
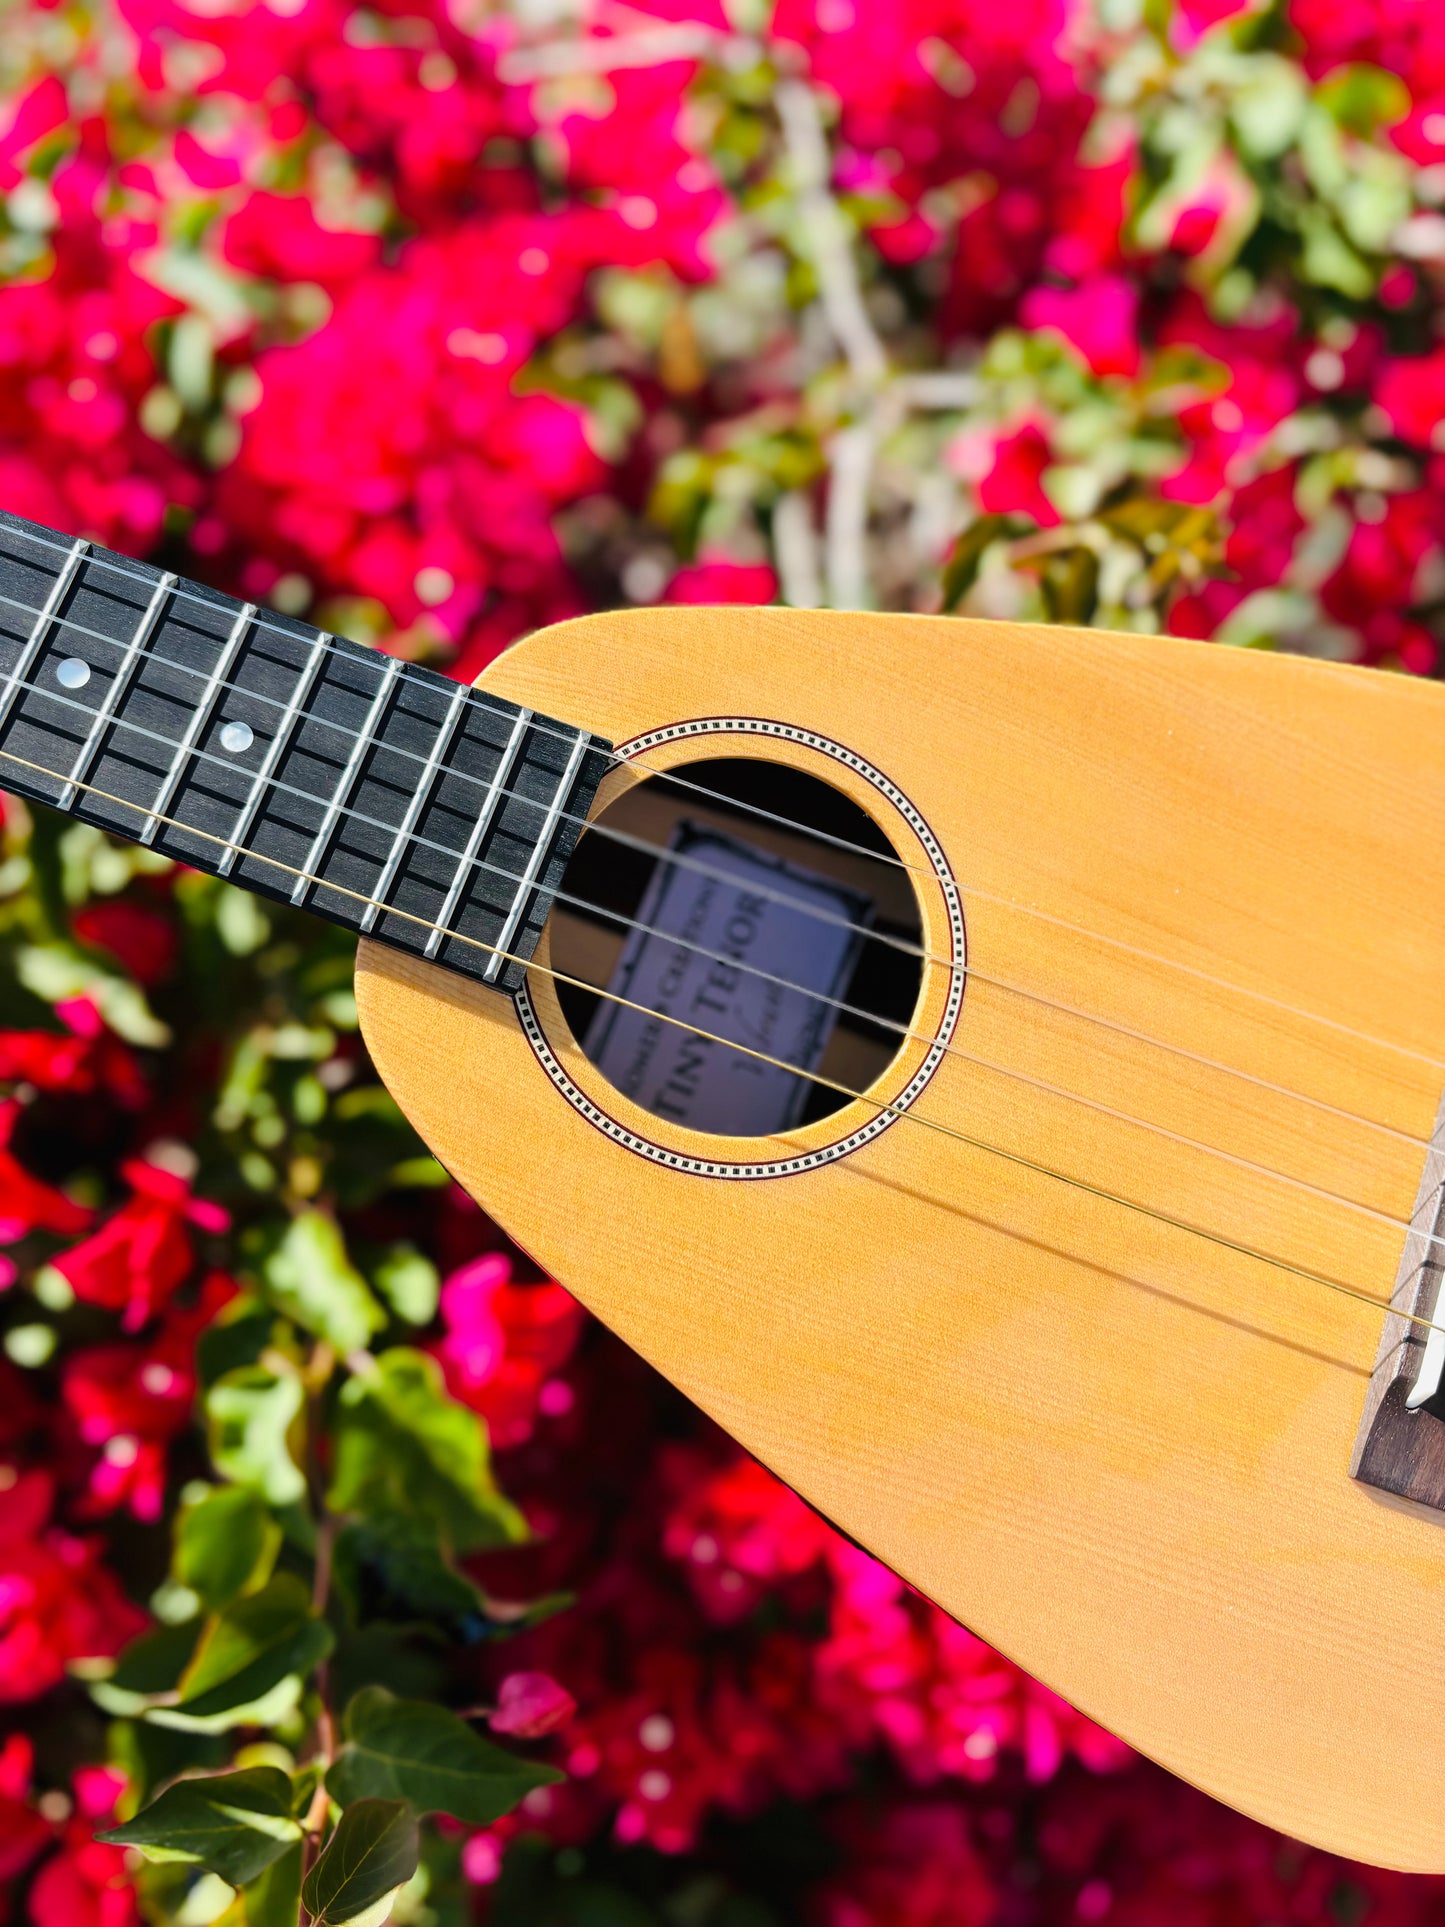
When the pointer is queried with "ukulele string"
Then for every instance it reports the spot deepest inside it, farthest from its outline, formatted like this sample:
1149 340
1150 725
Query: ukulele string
880 1105
618 760
641 845
488 868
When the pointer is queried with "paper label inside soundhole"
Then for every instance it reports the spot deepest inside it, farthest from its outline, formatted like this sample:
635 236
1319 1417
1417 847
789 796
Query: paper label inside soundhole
757 919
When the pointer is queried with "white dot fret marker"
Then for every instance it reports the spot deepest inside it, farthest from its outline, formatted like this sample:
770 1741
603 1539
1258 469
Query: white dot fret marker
72 673
237 737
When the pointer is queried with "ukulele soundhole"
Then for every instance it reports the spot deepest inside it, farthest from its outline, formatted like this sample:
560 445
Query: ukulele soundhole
739 948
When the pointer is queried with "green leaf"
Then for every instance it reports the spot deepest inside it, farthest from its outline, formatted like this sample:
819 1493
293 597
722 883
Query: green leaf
393 1568
961 570
408 1282
225 1543
252 1646
310 1277
414 1750
154 1662
403 1446
237 1336
234 1824
372 1852
251 1413
275 1899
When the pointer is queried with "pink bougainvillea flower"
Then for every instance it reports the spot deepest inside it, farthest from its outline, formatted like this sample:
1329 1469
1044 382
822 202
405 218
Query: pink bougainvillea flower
913 1865
142 1254
144 941
25 1203
1014 482
717 578
530 1705
86 1884
132 1400
1100 320
1412 393
58 1602
278 237
503 1343
23 1833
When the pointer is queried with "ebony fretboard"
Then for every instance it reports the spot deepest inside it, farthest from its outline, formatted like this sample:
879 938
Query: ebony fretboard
383 793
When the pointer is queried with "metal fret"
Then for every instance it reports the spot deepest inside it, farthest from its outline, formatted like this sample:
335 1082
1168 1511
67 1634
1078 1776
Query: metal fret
118 685
538 858
275 752
479 830
314 856
209 696
35 642
430 771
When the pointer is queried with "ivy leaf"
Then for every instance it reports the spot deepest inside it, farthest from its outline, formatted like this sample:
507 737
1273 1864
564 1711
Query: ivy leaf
417 1751
225 1542
234 1824
251 1412
252 1646
275 1899
404 1447
372 1852
310 1277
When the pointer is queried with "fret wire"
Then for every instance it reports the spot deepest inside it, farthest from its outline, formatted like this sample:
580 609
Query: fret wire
495 793
430 771
44 617
623 838
210 695
880 1105
538 857
274 753
119 683
348 777
107 559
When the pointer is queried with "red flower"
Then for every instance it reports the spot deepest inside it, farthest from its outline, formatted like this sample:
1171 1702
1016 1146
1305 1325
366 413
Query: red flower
141 1255
58 1602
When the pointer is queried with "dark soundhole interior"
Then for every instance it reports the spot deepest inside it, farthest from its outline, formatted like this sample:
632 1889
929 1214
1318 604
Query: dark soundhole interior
795 933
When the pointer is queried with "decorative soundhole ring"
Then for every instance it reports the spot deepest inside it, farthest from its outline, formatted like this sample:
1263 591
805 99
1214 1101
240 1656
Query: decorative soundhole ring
786 1167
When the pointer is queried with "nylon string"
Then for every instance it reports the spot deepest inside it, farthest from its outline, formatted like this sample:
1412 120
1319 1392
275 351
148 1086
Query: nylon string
458 858
640 844
180 592
880 1105
628 840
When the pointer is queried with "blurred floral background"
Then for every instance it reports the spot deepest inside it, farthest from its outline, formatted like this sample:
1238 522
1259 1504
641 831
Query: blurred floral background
434 323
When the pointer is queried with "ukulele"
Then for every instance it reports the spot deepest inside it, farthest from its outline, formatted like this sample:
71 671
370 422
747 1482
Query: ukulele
993 1070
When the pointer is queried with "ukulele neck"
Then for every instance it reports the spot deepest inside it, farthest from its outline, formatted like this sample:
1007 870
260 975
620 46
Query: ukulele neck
297 764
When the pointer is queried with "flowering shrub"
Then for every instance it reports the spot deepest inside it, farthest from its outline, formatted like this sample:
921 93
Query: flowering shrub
435 323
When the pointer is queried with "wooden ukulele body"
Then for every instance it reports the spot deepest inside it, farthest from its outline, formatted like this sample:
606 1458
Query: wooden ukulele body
1112 1447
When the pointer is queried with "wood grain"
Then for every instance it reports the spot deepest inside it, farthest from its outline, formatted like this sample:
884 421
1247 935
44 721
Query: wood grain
1117 1450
